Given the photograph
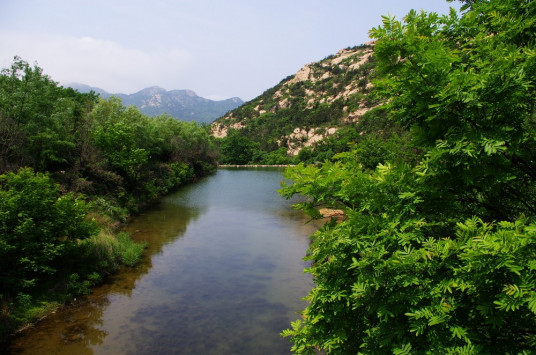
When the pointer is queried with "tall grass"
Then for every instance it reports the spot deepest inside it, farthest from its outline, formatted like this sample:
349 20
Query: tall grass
128 250
110 251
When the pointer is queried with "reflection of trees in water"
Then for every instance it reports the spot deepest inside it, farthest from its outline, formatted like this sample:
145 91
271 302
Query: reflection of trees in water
75 328
231 303
162 225
84 325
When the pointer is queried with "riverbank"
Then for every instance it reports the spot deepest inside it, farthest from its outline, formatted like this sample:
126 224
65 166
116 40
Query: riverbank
237 244
92 260
255 166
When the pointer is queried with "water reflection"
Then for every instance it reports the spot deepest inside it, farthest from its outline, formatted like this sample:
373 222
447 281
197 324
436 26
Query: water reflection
79 327
222 274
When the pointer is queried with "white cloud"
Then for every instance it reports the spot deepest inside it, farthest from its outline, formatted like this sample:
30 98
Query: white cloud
102 63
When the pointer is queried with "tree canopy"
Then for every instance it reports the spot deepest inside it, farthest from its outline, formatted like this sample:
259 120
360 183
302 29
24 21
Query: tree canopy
67 158
437 252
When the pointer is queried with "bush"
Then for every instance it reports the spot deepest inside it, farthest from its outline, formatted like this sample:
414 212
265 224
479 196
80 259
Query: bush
390 279
106 251
40 229
436 254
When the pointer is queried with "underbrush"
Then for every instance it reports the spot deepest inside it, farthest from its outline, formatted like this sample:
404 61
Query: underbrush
110 250
97 257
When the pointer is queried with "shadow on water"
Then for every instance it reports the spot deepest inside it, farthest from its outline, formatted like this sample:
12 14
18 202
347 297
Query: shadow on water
78 327
222 274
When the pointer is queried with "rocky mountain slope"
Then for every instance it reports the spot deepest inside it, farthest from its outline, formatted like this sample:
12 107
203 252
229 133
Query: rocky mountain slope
184 105
307 107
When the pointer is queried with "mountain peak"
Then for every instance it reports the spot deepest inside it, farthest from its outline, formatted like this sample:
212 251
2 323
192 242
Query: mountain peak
151 90
86 89
186 92
184 105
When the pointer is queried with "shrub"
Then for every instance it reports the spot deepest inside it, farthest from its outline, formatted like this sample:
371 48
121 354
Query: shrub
40 229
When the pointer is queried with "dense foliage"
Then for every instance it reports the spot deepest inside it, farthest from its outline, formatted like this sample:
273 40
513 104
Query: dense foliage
94 146
375 136
71 165
437 252
39 226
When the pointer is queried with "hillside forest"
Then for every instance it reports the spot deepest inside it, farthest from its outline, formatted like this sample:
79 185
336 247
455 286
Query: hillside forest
72 166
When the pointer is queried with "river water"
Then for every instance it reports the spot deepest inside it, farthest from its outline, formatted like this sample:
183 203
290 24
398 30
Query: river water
222 274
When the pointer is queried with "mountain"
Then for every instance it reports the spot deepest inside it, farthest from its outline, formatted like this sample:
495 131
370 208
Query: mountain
184 105
321 99
83 88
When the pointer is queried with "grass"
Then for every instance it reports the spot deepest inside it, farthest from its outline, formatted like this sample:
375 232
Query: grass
100 255
128 250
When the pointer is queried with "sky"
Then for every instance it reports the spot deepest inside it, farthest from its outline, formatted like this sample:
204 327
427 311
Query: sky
217 48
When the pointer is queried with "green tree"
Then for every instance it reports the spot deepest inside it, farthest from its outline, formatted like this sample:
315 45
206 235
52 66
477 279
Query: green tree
40 229
465 87
119 138
40 120
386 281
237 149
437 256
147 155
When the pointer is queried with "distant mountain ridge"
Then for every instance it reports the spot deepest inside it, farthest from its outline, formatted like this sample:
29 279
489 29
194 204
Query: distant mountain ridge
184 105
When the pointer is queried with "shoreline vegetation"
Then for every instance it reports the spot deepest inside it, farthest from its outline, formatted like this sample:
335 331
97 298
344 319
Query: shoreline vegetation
73 168
430 245
110 243
437 252
224 166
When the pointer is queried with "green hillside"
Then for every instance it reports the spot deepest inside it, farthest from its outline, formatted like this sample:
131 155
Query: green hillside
306 117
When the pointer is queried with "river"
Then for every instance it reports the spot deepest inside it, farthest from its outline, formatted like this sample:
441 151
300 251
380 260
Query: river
222 274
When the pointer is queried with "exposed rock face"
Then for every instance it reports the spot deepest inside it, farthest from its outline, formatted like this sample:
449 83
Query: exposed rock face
302 75
339 83
221 131
302 137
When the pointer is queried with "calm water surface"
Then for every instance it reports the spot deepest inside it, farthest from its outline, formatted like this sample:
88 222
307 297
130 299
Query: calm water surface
223 274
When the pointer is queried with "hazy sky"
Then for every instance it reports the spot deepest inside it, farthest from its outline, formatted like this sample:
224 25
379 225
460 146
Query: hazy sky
218 48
